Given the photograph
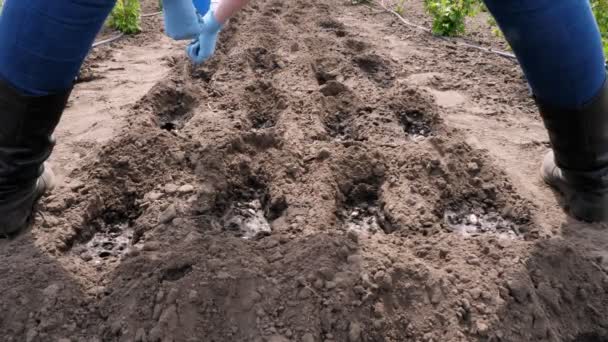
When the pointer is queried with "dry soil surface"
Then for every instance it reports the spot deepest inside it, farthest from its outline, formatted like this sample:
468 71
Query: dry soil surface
330 175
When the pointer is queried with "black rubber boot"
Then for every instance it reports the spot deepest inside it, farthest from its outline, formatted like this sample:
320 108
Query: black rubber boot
578 164
26 128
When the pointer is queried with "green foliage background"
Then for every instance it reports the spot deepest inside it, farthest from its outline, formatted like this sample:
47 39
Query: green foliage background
600 9
126 16
449 16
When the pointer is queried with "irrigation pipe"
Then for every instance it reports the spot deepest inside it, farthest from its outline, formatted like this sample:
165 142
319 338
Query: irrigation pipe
119 36
108 41
465 44
151 14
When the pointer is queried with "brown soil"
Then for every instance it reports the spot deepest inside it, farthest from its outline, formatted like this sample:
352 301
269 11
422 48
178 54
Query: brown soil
330 175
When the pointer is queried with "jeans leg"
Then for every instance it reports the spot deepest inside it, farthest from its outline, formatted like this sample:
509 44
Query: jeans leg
558 45
43 43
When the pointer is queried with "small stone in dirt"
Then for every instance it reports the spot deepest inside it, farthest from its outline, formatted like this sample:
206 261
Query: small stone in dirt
482 328
326 273
153 196
168 215
278 338
171 188
192 296
354 332
353 236
185 189
160 295
50 222
473 167
308 338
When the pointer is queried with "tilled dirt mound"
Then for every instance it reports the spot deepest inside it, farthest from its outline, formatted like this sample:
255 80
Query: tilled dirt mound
301 186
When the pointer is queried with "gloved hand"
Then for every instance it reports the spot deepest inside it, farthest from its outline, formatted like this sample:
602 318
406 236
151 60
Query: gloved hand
203 48
181 20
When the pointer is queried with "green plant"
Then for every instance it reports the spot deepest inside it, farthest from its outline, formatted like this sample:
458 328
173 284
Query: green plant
400 8
494 26
600 10
449 15
126 16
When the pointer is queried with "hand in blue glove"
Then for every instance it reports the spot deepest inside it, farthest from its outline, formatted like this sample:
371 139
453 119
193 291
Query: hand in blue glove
203 48
181 19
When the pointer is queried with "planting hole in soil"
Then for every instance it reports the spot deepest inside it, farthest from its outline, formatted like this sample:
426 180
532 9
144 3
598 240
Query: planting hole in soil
265 105
339 126
376 68
326 69
416 112
248 211
362 211
467 223
261 120
172 104
247 219
414 124
260 59
109 243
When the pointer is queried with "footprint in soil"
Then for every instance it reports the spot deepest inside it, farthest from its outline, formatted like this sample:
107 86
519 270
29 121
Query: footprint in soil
376 68
467 223
109 243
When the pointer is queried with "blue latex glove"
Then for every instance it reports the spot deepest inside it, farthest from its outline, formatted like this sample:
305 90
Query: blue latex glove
181 20
203 48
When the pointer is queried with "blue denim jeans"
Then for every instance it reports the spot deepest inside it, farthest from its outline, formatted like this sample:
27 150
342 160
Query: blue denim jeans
43 43
558 45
